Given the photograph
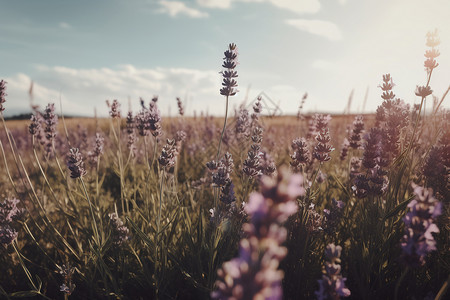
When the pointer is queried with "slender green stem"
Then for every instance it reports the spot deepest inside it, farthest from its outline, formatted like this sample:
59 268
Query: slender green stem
96 234
163 175
223 130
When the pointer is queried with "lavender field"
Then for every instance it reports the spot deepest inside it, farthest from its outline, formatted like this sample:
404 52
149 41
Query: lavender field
246 206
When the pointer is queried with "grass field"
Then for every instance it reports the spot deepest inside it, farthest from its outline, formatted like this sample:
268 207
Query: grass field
140 206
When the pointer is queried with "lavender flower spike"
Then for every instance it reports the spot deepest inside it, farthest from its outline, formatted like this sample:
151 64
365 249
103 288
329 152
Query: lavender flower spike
3 94
119 232
75 163
254 274
230 62
332 285
418 240
115 110
9 213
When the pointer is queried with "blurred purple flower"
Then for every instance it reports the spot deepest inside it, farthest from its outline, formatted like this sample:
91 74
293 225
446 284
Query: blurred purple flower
332 284
75 163
418 240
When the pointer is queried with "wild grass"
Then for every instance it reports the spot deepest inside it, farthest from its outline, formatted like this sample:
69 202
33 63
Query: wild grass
153 208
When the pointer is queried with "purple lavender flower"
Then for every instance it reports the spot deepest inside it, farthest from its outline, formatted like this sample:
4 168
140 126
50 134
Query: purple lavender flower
257 109
50 121
251 165
35 125
221 171
114 111
242 126
355 137
167 158
301 155
180 106
230 62
267 163
254 274
321 122
130 123
154 118
332 284
119 232
227 193
432 42
9 214
418 240
131 134
344 149
386 87
323 149
333 216
98 149
67 272
315 220
75 163
3 94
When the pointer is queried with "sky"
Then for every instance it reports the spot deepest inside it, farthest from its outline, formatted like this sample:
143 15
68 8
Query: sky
81 53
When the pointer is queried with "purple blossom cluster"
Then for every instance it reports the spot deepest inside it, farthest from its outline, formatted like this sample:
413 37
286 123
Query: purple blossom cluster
75 163
418 240
221 170
242 125
323 148
332 284
392 117
374 181
3 95
167 158
229 63
180 106
114 109
333 216
131 124
148 120
357 131
97 150
257 109
254 273
67 273
344 149
437 166
301 156
251 166
50 121
9 214
119 232
314 220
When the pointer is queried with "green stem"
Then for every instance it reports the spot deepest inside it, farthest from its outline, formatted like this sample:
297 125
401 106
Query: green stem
223 130
160 198
96 235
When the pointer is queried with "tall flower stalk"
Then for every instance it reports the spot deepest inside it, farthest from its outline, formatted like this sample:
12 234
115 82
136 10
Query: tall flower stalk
254 273
229 83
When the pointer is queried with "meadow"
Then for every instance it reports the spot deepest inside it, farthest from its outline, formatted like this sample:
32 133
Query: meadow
313 206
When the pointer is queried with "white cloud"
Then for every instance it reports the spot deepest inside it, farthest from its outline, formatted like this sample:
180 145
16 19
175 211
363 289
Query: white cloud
319 27
223 4
175 8
64 25
296 6
82 90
